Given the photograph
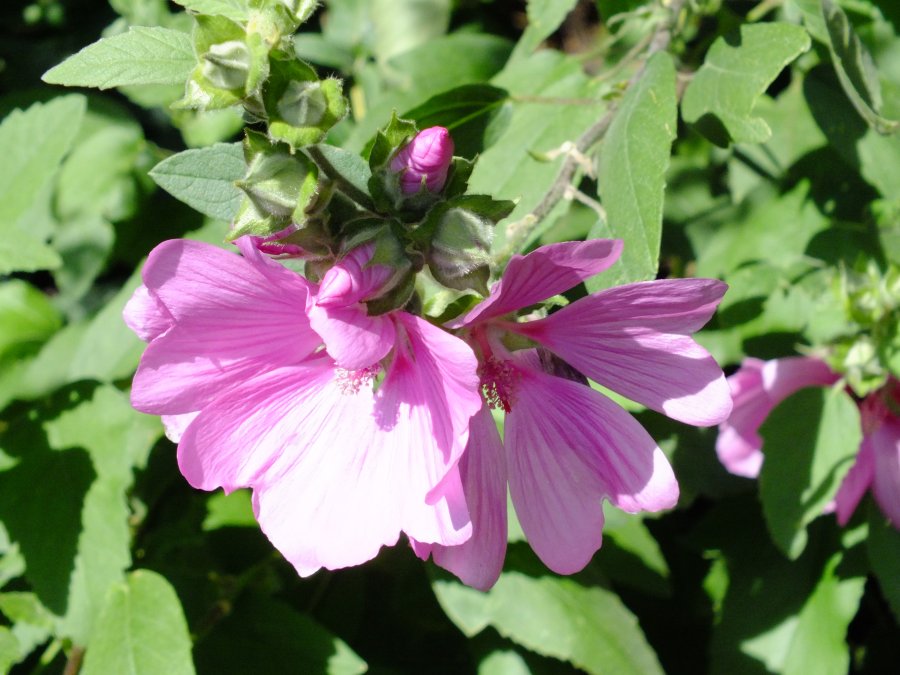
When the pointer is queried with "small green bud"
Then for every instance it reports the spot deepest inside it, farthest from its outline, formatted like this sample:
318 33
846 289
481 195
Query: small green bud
227 64
460 253
303 104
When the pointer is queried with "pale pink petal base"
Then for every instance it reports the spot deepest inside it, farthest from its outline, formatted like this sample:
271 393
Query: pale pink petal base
568 447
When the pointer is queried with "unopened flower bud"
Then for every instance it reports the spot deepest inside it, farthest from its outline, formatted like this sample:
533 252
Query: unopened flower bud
426 158
226 65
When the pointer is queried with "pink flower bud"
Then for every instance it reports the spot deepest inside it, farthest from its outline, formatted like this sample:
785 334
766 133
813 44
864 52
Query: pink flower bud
427 156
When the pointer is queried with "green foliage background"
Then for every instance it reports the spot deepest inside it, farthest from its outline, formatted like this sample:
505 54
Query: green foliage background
752 142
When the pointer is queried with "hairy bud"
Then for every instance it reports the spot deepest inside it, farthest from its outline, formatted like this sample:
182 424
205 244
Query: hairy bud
425 159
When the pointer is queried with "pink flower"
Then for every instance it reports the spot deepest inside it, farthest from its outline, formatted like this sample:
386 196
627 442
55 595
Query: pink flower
756 388
566 446
426 158
235 365
759 386
878 462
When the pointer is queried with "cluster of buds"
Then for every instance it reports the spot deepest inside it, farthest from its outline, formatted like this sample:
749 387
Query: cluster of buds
249 61
411 204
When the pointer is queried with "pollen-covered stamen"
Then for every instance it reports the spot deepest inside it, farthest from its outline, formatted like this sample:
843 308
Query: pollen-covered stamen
499 380
351 381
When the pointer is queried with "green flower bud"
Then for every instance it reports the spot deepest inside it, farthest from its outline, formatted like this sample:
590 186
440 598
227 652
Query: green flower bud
227 65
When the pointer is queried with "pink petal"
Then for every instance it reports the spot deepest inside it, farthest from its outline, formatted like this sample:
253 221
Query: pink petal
146 315
567 448
431 387
353 338
232 317
332 484
856 483
176 425
543 273
756 388
353 279
635 339
479 561
886 483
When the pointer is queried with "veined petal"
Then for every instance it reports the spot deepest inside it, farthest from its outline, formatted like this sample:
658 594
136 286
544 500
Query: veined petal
146 315
430 392
479 561
886 483
331 483
232 317
353 338
543 273
856 483
567 448
635 339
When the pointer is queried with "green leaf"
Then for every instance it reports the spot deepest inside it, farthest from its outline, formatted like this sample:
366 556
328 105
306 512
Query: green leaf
544 17
780 615
778 231
737 70
401 25
422 73
27 318
543 118
470 112
805 463
98 177
143 55
855 69
348 169
236 10
102 348
204 178
229 510
32 143
262 630
632 173
9 649
554 616
32 623
883 548
141 630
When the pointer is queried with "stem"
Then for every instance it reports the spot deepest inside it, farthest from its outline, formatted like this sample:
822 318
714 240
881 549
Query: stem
73 665
520 234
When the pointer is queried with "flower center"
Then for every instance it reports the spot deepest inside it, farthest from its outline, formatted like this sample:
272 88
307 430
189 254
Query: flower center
499 380
351 381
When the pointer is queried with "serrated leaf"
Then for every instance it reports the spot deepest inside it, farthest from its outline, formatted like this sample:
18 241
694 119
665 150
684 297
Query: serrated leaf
557 617
143 55
236 10
141 630
632 173
737 70
204 178
855 69
805 463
